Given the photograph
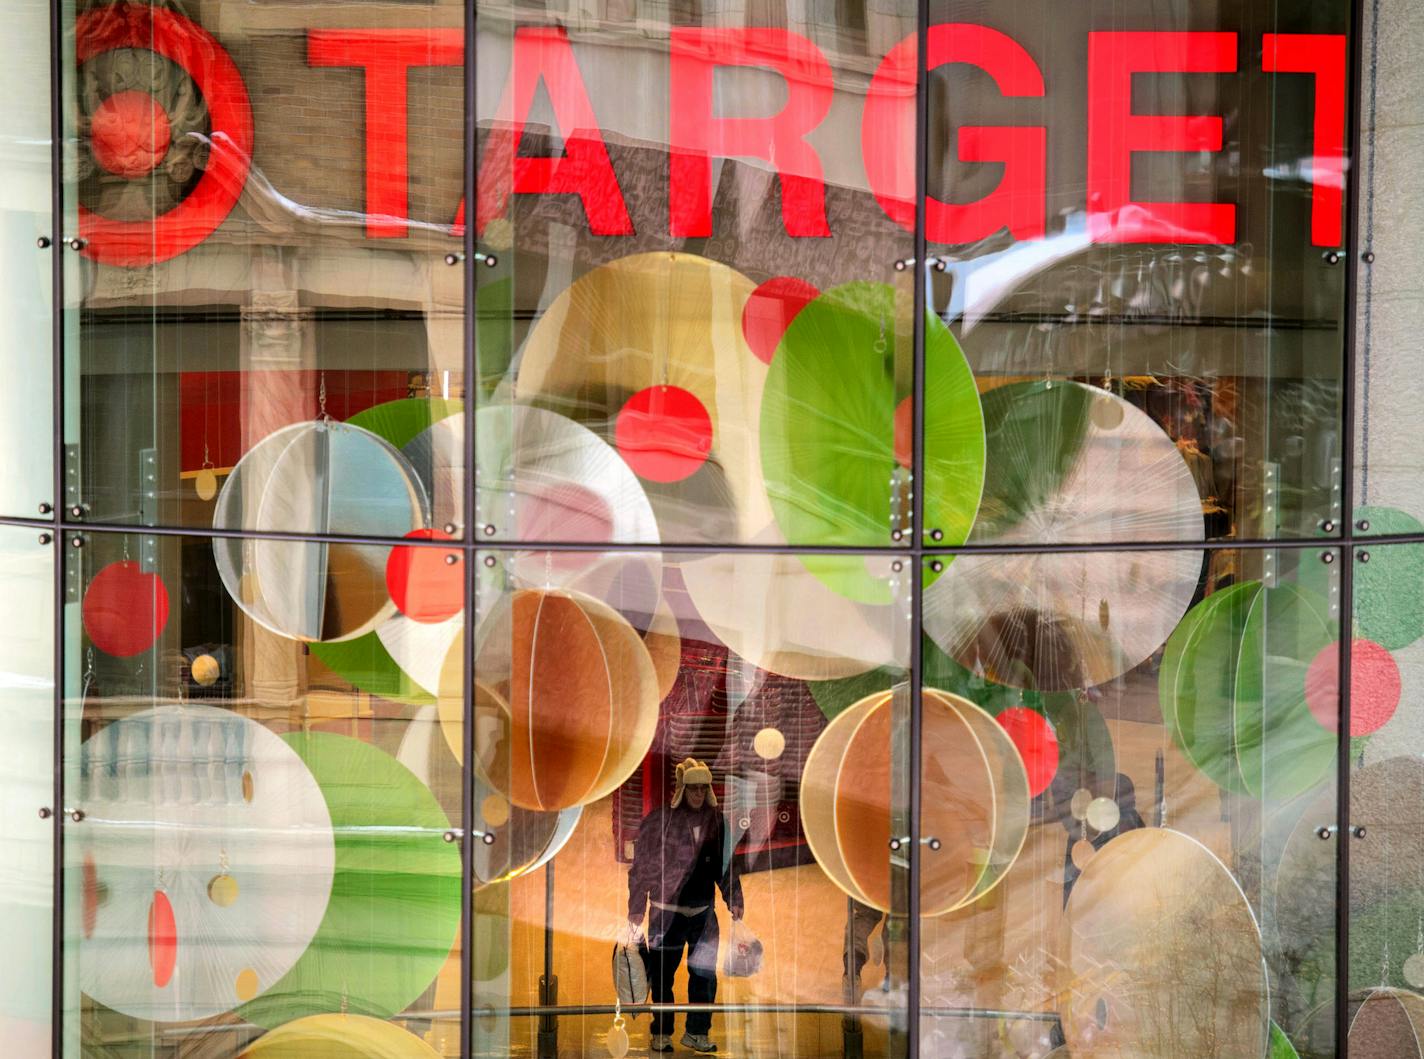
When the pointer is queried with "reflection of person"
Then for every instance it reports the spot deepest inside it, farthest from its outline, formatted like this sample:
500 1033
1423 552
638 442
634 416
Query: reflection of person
861 923
678 860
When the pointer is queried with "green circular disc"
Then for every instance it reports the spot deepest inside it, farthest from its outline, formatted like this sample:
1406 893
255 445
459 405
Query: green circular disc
829 430
364 662
1197 682
1281 1047
401 422
1232 689
1281 749
1389 606
394 911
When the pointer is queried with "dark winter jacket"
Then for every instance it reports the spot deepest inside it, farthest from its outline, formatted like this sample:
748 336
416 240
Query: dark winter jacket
673 867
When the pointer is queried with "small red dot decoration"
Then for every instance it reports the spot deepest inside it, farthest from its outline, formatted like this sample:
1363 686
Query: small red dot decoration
664 433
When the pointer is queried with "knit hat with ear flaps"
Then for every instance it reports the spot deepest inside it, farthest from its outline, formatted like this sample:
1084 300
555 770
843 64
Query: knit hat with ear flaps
694 772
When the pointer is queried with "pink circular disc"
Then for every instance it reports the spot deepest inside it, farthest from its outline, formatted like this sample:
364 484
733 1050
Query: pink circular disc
769 312
424 586
664 433
1037 744
130 133
125 609
1374 687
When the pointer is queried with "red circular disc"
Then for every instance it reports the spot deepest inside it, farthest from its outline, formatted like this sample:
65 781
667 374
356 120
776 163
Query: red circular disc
769 312
129 133
664 433
125 609
1037 744
162 938
167 33
905 432
1374 687
423 585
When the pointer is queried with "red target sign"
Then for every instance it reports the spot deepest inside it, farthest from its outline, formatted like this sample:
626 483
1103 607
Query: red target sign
130 134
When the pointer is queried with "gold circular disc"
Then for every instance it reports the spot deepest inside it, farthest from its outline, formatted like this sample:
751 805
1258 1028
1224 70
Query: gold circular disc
246 985
1103 814
769 744
1387 1024
338 1037
494 810
1155 933
205 484
1414 970
222 890
1082 852
819 782
205 670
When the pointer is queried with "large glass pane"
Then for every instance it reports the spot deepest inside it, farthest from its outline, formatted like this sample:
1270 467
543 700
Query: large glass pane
26 337
27 787
265 861
1138 212
701 762
1386 801
1132 837
267 195
695 329
1389 478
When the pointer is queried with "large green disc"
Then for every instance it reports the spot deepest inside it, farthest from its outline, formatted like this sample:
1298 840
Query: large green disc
394 911
1281 748
829 430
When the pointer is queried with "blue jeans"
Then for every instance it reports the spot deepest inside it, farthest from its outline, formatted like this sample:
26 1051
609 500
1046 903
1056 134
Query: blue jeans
668 934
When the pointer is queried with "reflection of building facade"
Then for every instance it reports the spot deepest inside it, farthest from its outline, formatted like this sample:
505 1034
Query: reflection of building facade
399 512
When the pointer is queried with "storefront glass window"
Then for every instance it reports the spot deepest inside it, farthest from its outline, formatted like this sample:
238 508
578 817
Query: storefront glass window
266 196
691 208
897 595
1389 487
26 304
27 773
264 856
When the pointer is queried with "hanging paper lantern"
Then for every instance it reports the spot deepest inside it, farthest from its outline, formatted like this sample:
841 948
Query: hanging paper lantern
975 801
770 310
1155 933
125 610
1069 464
338 1037
1233 689
394 910
567 701
209 856
828 425
316 478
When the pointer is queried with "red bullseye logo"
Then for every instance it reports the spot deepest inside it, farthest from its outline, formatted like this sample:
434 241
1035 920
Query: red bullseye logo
130 133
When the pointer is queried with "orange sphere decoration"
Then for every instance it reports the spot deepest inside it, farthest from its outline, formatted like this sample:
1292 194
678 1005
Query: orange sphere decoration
567 702
975 804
